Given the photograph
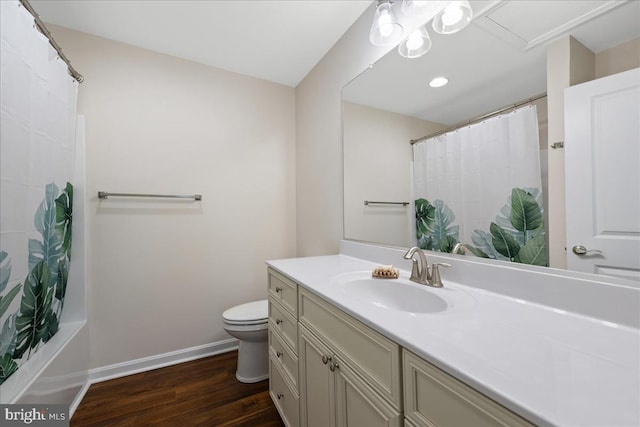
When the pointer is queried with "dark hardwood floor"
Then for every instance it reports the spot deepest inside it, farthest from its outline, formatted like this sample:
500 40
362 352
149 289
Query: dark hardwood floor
204 392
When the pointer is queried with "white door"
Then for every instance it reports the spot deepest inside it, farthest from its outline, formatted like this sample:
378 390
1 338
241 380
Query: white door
602 164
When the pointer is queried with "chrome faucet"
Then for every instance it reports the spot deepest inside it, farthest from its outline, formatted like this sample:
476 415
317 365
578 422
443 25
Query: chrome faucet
421 273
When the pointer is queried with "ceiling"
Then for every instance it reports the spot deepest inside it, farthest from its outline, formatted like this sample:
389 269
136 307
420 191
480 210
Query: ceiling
275 40
499 59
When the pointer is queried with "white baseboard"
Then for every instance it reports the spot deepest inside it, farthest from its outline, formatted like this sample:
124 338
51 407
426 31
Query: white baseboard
160 360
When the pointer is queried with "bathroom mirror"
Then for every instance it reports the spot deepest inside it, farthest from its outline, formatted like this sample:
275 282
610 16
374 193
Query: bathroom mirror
496 61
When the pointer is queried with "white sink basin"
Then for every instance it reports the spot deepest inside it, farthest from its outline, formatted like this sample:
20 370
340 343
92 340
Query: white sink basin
390 294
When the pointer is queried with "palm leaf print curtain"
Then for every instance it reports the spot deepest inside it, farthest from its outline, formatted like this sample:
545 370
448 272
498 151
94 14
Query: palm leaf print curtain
480 185
38 121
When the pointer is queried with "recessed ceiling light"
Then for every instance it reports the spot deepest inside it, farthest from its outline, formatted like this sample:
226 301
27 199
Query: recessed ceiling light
438 82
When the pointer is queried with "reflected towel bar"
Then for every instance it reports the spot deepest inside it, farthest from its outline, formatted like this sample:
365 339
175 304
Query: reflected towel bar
368 202
105 195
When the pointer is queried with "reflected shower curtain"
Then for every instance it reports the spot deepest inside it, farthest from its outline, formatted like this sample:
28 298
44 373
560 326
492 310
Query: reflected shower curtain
38 115
480 186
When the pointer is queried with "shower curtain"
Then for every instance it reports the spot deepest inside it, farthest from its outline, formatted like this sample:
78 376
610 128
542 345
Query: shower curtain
480 186
38 121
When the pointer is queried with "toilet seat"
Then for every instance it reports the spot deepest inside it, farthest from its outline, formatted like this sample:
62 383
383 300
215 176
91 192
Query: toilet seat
251 313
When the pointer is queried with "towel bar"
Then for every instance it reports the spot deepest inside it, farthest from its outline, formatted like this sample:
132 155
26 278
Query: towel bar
105 195
368 202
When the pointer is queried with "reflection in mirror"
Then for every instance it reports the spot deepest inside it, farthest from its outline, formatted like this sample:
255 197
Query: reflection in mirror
479 187
498 60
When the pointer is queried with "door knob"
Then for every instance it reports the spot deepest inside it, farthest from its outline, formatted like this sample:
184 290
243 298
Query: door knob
581 250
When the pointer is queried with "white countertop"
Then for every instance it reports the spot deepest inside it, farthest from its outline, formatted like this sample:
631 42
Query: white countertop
550 366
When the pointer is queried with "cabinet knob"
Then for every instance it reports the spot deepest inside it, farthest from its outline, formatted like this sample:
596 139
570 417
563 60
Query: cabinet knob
278 354
325 359
278 321
333 366
279 396
278 289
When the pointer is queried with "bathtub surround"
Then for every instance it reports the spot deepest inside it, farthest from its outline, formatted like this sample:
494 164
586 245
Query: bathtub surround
38 152
163 271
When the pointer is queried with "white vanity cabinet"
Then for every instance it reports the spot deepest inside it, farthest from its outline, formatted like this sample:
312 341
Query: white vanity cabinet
349 373
435 398
328 369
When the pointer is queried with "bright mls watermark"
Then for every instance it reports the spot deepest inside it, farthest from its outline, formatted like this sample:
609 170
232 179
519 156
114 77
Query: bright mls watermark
34 415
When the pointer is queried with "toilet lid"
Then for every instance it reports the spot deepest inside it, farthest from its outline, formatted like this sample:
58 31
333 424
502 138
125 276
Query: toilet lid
249 312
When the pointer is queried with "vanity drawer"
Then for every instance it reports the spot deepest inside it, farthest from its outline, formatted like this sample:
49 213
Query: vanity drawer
283 290
435 398
282 356
283 323
371 355
284 396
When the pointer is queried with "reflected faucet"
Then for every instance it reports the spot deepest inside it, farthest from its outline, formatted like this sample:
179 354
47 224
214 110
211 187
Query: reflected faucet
420 272
459 246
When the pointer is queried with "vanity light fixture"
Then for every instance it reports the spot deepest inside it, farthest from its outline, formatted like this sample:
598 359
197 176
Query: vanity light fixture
386 30
438 82
453 18
417 44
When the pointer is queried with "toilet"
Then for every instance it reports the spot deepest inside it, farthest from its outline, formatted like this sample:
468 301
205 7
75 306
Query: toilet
248 323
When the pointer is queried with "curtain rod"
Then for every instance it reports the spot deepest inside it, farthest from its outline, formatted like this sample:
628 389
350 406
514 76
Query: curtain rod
44 30
480 118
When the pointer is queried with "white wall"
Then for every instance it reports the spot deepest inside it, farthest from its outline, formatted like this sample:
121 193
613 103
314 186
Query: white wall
161 272
618 59
319 182
377 165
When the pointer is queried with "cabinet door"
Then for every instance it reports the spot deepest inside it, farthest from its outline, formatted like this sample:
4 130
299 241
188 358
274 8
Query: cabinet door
316 382
373 356
434 398
357 405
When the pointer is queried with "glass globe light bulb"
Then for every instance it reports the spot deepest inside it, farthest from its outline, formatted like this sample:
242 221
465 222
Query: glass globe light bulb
386 24
415 40
453 18
452 14
385 30
417 44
